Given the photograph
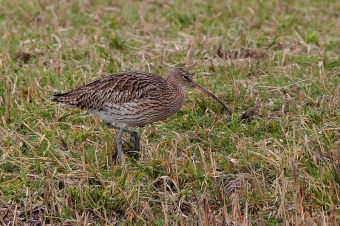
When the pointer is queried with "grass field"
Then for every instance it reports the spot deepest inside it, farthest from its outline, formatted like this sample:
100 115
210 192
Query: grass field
276 161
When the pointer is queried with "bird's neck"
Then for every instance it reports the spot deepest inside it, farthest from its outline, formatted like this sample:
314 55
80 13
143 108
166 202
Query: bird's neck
176 97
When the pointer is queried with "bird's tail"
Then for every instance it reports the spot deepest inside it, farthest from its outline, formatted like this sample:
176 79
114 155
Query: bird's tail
56 97
65 98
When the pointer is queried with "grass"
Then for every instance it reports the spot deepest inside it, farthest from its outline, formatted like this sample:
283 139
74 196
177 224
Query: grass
274 162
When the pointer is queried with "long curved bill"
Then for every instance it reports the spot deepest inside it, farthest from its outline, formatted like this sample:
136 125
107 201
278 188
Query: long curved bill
212 95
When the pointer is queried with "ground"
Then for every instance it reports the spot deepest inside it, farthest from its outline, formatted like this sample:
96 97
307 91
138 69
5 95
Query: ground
275 161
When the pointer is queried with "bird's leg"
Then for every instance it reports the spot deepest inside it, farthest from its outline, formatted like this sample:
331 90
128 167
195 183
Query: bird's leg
134 135
119 145
135 139
109 125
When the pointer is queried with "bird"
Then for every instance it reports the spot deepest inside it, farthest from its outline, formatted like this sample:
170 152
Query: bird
133 98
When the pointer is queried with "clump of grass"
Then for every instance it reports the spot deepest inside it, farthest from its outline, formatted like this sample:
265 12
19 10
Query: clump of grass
274 162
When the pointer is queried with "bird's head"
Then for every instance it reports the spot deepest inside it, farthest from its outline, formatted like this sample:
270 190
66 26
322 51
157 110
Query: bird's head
182 77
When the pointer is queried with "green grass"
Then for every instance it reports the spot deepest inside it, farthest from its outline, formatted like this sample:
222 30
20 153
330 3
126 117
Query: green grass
278 166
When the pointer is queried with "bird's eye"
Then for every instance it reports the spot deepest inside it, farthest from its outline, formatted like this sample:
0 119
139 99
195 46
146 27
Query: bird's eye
185 77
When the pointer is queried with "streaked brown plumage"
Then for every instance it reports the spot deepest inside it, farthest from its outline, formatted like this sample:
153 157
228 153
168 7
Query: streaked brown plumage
133 99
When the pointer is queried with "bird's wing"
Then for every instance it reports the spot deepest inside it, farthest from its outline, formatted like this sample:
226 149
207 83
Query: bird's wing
116 88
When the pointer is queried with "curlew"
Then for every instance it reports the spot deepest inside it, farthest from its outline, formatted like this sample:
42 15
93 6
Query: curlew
133 99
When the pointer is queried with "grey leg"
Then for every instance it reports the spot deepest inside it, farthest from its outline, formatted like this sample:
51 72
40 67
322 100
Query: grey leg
119 145
134 135
111 126
135 139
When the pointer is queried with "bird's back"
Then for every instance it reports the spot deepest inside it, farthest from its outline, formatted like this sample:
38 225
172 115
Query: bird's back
131 98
